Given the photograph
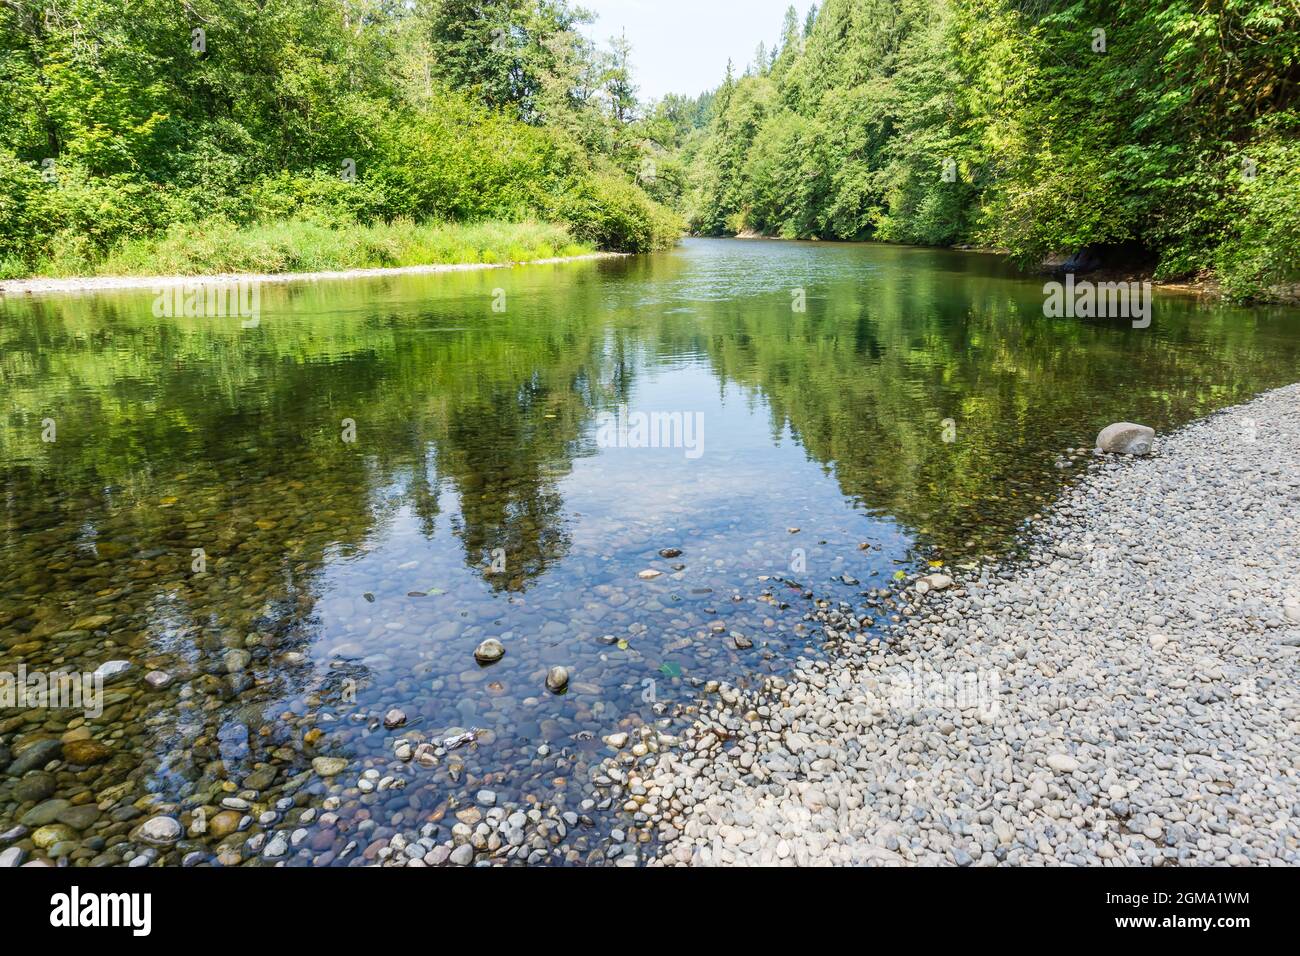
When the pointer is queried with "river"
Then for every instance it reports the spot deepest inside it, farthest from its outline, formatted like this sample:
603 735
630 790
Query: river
300 520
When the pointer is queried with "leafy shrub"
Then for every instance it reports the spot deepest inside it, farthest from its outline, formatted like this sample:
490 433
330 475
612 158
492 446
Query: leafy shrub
611 213
1261 253
305 245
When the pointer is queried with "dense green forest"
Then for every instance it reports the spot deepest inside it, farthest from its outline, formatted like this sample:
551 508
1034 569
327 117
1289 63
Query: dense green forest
126 121
257 134
1160 130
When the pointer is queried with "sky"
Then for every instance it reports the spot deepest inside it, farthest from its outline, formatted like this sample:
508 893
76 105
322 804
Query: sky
682 46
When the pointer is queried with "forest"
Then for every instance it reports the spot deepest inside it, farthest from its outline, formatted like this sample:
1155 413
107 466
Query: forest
1160 133
259 134
244 128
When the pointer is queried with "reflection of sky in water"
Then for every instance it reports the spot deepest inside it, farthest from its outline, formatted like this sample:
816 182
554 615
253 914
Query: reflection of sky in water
730 511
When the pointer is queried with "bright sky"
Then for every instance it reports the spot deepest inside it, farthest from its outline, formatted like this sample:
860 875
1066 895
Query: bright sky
682 46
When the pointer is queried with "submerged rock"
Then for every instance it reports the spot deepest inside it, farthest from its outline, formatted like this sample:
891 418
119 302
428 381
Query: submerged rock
37 755
160 831
46 837
224 823
86 752
44 813
110 671
557 679
329 766
35 787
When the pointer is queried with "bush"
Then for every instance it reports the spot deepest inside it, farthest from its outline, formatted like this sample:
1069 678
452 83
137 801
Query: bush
1258 257
611 213
319 196
19 181
449 161
76 218
303 245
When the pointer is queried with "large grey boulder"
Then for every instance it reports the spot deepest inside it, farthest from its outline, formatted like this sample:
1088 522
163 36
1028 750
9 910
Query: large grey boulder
1125 438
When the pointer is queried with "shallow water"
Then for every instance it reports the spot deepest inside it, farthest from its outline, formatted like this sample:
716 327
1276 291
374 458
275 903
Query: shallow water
921 406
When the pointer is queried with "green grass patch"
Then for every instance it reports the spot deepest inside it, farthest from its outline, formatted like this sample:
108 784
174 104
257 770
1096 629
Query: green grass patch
301 245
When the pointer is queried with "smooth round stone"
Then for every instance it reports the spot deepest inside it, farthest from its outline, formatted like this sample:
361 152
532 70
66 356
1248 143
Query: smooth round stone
329 766
490 651
46 837
557 679
224 823
80 818
160 831
35 756
111 670
43 813
86 752
463 855
1063 763
35 786
260 779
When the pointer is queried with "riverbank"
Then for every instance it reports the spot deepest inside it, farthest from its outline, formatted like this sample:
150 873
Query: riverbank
1203 286
94 284
1123 696
299 251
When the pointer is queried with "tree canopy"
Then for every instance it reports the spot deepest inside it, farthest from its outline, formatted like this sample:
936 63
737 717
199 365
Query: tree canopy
1037 126
119 120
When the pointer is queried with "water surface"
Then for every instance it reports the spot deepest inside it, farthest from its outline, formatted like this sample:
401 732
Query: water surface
920 408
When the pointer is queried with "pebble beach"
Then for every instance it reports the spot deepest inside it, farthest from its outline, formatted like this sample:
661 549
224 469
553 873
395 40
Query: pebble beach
1124 695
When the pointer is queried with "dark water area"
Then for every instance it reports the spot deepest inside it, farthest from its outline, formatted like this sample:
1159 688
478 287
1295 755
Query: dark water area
310 519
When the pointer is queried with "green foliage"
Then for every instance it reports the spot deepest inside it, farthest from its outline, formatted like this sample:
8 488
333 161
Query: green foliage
447 111
1258 256
1058 138
611 213
501 51
310 246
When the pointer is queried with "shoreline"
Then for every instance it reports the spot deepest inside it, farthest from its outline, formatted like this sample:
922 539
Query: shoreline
1200 287
1119 696
93 284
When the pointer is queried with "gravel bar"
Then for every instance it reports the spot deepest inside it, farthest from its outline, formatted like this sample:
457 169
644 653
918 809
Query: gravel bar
1125 694
98 284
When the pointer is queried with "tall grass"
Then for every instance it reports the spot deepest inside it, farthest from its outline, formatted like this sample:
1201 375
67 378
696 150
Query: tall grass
300 245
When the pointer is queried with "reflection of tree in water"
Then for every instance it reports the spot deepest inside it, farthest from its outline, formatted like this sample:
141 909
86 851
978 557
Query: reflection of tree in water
506 453
866 379
496 413
423 490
